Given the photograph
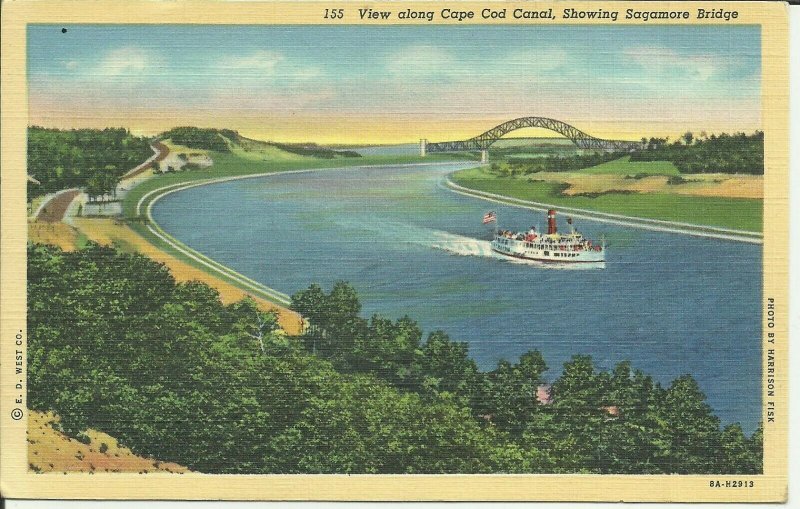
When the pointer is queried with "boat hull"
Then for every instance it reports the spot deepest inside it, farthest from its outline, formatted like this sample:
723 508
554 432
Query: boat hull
518 249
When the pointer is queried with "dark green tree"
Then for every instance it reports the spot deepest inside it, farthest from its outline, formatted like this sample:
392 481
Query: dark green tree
688 431
61 159
368 427
512 392
738 452
578 396
388 349
334 324
445 366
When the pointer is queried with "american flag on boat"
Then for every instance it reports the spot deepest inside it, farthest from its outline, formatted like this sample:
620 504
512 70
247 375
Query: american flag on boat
489 217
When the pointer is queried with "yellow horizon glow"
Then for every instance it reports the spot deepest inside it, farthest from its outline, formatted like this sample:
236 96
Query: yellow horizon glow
341 130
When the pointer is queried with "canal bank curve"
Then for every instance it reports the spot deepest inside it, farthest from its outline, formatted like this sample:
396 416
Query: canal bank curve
410 247
656 225
147 201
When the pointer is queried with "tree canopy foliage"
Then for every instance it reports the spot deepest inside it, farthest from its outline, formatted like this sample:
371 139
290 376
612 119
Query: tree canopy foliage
314 150
202 138
520 166
89 158
117 345
724 153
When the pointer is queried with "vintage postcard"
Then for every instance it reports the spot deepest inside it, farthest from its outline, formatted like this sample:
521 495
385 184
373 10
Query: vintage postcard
528 251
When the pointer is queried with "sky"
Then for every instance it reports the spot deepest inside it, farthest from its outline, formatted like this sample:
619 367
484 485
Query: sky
381 84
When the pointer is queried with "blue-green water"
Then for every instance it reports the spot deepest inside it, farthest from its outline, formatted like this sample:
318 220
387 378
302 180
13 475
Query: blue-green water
671 304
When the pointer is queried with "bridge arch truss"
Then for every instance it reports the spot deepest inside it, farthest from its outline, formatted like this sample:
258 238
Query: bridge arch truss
484 141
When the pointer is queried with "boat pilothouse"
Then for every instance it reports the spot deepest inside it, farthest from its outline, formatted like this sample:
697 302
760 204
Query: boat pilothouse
551 246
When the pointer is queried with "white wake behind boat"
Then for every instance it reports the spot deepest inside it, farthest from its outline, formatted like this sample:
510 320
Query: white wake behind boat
552 246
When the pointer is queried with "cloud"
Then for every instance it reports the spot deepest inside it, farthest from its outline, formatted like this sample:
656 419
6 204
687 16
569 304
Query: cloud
530 61
125 62
667 62
422 61
263 61
116 73
257 66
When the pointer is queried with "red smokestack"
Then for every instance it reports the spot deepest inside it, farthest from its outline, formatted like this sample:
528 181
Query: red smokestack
551 222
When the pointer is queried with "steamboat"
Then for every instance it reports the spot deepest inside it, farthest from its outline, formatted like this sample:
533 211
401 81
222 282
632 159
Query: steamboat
552 246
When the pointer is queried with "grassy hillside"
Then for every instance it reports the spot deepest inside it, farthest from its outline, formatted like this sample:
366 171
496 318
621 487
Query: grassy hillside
714 180
724 153
615 189
228 140
624 166
200 138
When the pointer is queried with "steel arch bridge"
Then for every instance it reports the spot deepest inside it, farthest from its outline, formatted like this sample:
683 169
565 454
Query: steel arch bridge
483 141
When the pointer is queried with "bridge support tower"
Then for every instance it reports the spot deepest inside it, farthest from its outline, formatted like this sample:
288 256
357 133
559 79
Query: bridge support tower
423 147
485 156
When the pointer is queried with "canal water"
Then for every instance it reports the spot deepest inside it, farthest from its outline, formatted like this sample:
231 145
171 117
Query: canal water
671 304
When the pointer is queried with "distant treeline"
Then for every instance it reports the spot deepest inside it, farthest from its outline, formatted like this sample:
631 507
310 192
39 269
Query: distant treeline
724 153
117 345
89 158
202 138
220 140
314 150
554 163
524 152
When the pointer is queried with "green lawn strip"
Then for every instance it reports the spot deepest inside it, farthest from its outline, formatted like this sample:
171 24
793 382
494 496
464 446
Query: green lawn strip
142 230
264 153
735 213
623 166
81 241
